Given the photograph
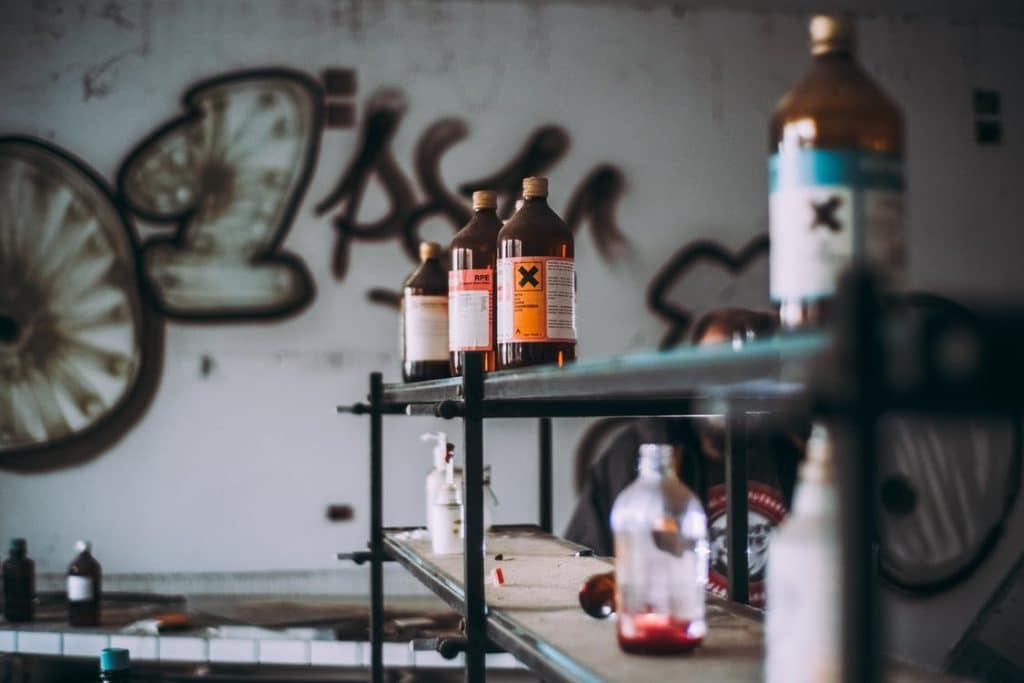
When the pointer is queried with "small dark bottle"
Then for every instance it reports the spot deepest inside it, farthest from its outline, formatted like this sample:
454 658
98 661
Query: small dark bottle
19 583
471 284
85 578
536 293
115 665
425 318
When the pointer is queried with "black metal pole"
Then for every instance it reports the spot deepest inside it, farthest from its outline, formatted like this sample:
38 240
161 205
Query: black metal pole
544 465
736 505
860 369
376 531
473 559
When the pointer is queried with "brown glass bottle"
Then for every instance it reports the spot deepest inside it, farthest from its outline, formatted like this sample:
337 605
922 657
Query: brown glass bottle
536 292
85 587
836 146
472 325
19 583
425 318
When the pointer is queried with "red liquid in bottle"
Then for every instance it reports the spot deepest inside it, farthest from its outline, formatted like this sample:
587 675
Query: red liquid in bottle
658 634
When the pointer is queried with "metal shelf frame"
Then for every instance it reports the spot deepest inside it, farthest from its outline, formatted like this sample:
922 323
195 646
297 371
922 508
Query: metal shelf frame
858 371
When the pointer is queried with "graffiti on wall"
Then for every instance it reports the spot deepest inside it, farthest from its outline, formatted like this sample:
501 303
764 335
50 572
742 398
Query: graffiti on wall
229 175
80 350
593 201
83 298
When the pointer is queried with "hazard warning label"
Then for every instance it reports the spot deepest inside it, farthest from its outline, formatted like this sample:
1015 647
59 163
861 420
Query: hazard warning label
536 299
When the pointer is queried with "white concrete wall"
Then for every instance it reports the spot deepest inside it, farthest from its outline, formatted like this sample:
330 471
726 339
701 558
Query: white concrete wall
233 471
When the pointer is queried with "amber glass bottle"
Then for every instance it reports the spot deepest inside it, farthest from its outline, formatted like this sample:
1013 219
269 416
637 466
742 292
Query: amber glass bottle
19 583
536 295
471 285
836 179
425 318
85 579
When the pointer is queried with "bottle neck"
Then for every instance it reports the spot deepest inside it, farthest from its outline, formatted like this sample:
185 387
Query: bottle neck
656 462
535 200
835 55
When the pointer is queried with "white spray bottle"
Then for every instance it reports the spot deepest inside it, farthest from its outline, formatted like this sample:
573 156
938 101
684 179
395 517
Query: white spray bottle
802 627
445 519
435 477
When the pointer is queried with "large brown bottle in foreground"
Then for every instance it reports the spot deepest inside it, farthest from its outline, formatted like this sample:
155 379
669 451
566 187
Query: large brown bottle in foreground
836 179
425 318
472 325
85 587
536 284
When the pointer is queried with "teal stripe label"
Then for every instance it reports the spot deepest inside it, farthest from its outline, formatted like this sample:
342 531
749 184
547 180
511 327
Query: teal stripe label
810 167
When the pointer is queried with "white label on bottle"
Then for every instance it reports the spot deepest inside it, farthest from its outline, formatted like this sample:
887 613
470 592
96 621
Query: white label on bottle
829 209
561 276
80 589
426 327
469 309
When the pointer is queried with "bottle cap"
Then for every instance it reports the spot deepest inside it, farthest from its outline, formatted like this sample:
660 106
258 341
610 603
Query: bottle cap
18 546
114 659
535 187
83 546
831 33
429 250
818 466
656 457
485 199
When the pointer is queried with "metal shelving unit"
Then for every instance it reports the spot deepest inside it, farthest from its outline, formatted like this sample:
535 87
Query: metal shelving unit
853 374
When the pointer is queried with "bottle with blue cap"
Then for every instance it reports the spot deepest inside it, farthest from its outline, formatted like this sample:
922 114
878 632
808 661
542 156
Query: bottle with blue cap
115 665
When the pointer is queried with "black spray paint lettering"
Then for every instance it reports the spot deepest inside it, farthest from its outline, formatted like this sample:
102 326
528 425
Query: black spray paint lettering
230 174
691 255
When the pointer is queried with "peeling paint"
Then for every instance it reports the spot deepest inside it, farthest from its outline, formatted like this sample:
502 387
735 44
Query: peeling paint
96 80
114 12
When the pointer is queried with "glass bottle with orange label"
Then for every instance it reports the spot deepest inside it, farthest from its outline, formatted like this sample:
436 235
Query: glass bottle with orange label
536 293
471 287
836 179
425 318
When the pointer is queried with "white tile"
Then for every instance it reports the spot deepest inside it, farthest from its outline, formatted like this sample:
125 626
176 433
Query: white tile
39 642
335 653
501 660
182 649
233 650
433 660
284 652
8 641
139 647
395 654
85 644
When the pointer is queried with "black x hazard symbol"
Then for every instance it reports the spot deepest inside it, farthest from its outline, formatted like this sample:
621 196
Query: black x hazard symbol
528 276
825 214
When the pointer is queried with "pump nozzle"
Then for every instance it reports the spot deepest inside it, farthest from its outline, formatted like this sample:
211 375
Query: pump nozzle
440 451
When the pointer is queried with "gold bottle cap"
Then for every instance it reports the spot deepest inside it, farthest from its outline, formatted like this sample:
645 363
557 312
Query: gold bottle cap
429 250
831 33
485 199
535 187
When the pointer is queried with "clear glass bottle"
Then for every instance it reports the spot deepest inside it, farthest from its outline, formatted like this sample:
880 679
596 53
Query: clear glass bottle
19 583
471 284
536 293
835 178
85 578
661 559
425 318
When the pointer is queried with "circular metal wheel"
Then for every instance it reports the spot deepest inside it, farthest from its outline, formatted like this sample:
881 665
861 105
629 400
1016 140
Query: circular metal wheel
74 332
945 488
